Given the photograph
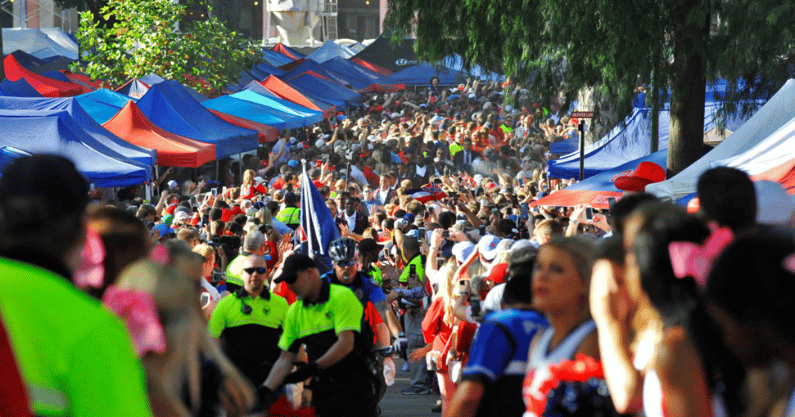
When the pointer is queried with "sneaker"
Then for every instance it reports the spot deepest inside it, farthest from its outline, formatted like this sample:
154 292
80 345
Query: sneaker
416 391
436 408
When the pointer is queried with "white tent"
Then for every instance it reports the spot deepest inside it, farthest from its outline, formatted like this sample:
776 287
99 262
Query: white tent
779 110
773 151
41 43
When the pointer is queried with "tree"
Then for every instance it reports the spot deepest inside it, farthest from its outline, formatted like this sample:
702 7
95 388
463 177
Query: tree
613 46
145 39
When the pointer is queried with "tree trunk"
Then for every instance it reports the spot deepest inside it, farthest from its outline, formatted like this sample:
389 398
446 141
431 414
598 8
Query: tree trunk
688 85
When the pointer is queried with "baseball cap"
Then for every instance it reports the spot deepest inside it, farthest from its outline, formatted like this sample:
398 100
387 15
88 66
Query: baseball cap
294 264
292 163
462 250
181 217
172 184
163 229
168 219
367 245
487 246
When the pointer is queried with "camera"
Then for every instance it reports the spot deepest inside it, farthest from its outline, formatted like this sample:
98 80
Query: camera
218 276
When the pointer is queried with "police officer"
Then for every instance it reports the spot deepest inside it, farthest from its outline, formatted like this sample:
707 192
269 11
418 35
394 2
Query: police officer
290 214
249 323
327 320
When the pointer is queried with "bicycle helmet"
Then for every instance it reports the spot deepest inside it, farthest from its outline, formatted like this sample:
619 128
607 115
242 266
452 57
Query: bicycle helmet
342 249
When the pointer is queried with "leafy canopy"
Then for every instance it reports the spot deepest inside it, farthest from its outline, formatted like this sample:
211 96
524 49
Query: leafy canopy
145 40
562 46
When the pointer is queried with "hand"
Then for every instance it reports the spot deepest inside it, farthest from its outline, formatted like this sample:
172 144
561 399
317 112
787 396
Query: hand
344 231
419 354
436 239
609 299
237 395
578 215
266 396
304 372
400 344
306 397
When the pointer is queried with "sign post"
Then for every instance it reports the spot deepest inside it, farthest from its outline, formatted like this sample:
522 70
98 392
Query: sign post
582 115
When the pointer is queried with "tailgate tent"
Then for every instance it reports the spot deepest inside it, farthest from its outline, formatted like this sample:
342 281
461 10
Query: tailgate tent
420 75
281 89
57 132
252 111
307 116
265 133
9 154
627 142
46 86
382 53
286 50
276 59
19 88
372 67
102 104
768 119
330 50
309 65
172 150
361 79
134 88
596 190
143 156
42 43
312 86
169 106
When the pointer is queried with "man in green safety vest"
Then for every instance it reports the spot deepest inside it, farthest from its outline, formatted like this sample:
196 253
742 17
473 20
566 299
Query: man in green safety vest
290 214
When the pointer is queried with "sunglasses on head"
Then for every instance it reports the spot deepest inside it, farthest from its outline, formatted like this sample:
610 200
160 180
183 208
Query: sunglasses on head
343 264
259 270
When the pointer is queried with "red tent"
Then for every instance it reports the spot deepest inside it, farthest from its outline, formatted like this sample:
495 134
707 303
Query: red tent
46 86
266 133
372 67
283 90
783 174
84 80
173 150
284 50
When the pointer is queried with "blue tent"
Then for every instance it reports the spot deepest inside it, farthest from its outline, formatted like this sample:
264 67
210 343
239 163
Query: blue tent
421 75
357 47
565 146
309 65
330 50
628 141
118 146
134 88
244 78
57 132
19 88
102 104
276 59
9 154
152 79
269 69
254 112
312 86
169 106
359 77
259 89
307 116
195 94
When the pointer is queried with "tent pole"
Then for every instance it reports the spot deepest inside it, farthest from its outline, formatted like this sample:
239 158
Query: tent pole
240 166
157 177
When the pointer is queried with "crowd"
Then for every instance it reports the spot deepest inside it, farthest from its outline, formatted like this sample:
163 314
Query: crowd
208 302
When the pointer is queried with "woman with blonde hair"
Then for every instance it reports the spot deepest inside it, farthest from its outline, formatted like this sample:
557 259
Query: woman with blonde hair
249 188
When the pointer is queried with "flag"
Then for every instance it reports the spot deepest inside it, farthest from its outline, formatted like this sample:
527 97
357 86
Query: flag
316 221
429 192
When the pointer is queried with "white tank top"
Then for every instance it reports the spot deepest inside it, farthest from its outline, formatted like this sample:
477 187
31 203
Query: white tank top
541 357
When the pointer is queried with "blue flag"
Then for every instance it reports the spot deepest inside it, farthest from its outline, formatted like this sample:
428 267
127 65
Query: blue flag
316 221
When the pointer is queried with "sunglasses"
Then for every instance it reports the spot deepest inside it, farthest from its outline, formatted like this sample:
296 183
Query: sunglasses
343 264
260 270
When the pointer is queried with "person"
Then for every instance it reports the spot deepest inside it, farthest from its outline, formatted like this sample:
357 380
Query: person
253 244
727 197
249 323
492 378
682 368
85 366
210 294
290 215
755 319
560 284
327 319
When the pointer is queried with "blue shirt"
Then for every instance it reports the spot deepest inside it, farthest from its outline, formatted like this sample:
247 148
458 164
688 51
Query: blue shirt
498 359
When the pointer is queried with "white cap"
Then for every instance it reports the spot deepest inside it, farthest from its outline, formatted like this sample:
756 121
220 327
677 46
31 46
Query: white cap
320 143
488 247
181 217
173 184
478 178
462 250
773 204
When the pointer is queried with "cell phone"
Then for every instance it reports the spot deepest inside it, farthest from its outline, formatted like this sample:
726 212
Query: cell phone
215 192
462 282
193 201
440 262
421 233
495 212
588 213
453 195
445 234
525 210
611 201
206 219
482 229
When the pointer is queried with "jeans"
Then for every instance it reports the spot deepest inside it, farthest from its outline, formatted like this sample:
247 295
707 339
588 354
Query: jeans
420 378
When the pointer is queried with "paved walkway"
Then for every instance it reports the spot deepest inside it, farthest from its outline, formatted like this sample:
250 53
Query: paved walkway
395 404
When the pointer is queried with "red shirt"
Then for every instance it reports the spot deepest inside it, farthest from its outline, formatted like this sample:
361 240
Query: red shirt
278 184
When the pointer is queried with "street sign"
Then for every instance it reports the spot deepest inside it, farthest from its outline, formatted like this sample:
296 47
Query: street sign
582 114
